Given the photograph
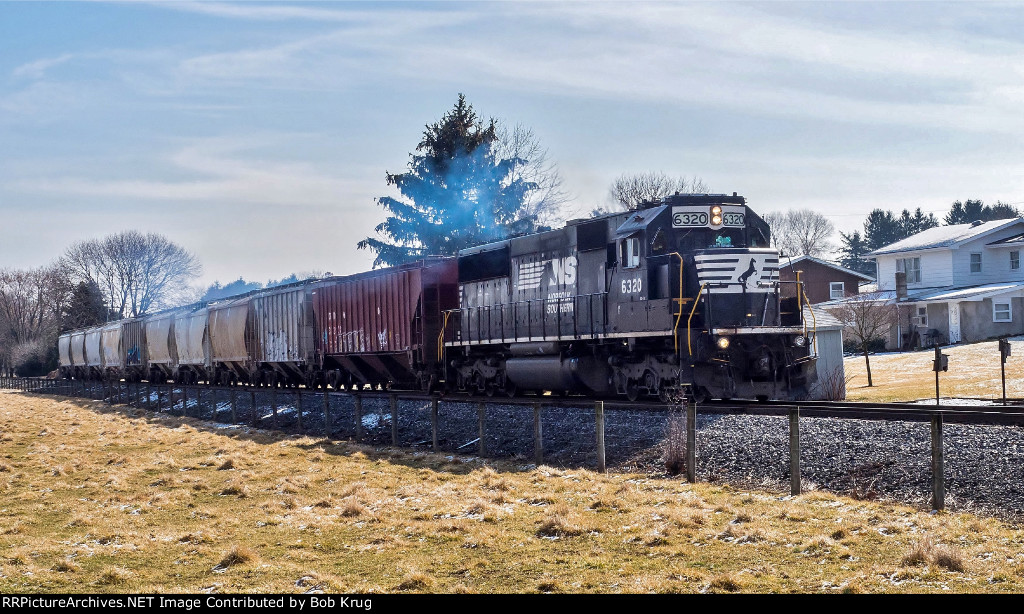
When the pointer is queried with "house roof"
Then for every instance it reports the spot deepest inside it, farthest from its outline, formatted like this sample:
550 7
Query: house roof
1009 241
883 296
826 263
944 236
820 318
974 293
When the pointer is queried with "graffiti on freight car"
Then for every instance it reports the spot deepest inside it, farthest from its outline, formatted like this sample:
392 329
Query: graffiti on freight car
352 341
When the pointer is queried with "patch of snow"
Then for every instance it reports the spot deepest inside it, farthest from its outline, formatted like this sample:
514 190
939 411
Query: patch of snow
371 421
958 401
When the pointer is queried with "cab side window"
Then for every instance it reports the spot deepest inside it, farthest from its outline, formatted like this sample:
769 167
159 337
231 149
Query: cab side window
629 252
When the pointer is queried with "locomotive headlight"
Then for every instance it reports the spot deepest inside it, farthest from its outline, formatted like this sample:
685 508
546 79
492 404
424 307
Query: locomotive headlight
722 343
800 341
716 215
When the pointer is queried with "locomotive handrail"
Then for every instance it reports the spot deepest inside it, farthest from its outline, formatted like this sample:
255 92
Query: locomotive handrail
679 316
814 319
474 314
440 338
696 300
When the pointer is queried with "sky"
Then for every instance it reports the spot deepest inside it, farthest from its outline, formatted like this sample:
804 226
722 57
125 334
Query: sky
258 134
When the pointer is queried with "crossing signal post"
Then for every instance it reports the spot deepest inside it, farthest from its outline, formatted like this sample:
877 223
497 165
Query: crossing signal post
941 363
1004 351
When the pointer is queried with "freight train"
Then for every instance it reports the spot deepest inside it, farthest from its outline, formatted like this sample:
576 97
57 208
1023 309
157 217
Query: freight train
681 297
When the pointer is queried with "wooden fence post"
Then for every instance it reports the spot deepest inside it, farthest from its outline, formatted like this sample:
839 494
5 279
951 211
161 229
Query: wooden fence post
481 421
273 403
938 483
357 413
433 423
394 419
327 414
691 442
599 429
252 400
298 407
538 437
794 451
234 411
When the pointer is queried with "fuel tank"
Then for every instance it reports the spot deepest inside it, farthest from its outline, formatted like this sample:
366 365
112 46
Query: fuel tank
555 373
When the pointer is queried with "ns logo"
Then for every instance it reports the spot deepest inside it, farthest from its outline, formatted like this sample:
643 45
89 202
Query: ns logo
556 271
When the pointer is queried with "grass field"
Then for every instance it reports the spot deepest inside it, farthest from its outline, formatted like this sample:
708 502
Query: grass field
973 372
113 499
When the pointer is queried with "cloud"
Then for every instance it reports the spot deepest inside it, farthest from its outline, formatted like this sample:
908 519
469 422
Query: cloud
219 171
733 57
37 69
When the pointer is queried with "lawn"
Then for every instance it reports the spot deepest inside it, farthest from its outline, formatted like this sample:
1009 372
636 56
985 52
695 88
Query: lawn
103 499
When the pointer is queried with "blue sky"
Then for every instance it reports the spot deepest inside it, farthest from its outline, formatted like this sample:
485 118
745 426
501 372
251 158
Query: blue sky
258 134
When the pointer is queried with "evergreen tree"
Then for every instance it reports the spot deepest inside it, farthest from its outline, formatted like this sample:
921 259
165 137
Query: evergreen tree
852 251
881 229
455 193
970 211
912 224
84 308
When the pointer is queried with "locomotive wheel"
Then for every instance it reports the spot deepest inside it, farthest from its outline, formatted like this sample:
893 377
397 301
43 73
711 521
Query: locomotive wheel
632 390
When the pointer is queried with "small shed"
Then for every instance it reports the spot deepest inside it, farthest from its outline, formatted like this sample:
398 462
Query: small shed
827 345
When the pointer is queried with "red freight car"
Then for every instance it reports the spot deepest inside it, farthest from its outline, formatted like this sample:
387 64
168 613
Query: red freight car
381 328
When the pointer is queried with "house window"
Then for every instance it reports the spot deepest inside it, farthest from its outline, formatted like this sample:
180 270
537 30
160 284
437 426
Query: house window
922 316
1014 260
836 290
975 263
1002 312
910 266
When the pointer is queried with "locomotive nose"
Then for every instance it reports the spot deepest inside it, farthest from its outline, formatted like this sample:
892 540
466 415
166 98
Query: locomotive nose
762 366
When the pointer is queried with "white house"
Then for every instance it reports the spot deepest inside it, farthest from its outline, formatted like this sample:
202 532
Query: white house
964 282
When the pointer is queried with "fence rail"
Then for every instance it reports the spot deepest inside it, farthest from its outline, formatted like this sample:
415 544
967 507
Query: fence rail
508 427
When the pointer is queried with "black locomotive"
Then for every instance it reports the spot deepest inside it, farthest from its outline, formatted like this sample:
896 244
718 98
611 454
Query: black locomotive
682 297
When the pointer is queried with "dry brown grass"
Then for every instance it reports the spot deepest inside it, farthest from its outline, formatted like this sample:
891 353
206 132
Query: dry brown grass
238 555
144 506
973 372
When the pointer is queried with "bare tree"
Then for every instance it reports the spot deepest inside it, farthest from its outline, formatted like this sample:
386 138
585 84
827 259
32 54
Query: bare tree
632 191
801 231
31 304
532 165
865 318
135 272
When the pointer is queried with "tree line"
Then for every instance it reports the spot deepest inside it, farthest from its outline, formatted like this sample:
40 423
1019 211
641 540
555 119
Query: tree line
123 275
883 228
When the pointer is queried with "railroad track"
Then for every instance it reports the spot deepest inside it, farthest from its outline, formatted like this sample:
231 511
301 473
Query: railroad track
1010 414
